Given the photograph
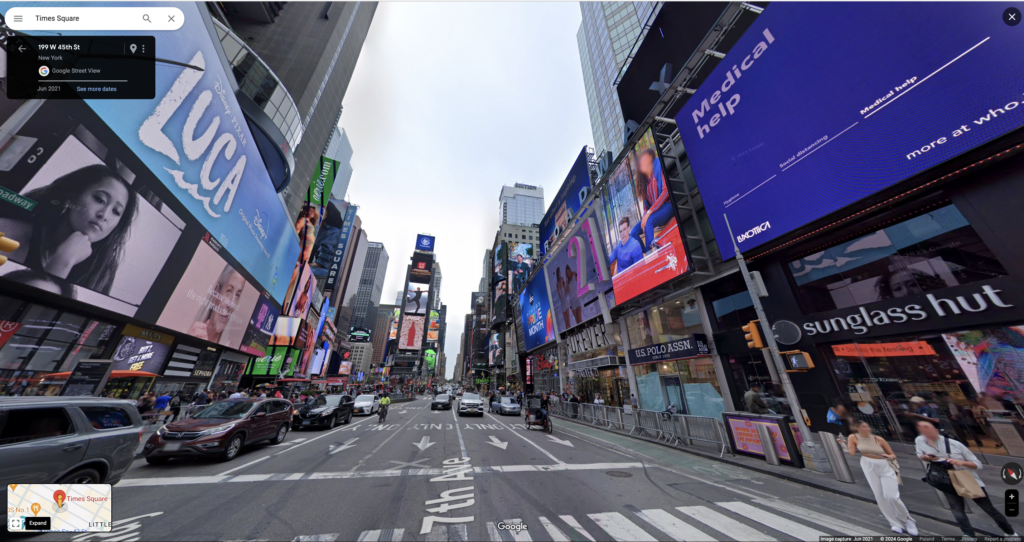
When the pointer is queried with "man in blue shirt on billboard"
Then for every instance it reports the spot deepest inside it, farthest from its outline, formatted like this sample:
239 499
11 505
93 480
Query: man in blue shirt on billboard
629 251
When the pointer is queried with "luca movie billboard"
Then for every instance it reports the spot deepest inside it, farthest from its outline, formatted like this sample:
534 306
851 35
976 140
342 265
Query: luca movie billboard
538 322
908 88
641 233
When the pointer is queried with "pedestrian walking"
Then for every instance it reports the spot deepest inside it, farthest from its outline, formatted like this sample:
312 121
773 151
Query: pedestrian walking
145 405
175 405
754 402
633 402
237 395
575 404
878 462
160 406
945 454
597 399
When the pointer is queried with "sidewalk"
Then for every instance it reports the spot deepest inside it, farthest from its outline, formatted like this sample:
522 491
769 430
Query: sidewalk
920 498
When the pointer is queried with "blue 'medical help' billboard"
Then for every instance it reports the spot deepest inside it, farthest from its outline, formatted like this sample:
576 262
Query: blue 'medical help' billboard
821 104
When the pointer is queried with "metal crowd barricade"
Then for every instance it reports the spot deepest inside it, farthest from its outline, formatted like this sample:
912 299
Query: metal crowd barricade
647 423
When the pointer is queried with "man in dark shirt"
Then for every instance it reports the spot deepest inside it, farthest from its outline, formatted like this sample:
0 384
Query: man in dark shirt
545 404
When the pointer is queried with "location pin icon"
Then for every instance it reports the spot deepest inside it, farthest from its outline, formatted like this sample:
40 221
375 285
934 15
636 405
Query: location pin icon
132 47
36 508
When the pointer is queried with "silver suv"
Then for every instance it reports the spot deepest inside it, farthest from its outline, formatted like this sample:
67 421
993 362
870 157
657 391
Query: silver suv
471 403
67 440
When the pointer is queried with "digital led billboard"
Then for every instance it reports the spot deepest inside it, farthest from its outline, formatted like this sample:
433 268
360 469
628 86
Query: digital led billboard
641 233
433 326
416 296
520 265
425 243
567 201
260 329
412 332
908 88
538 321
394 324
422 266
576 275
495 349
499 283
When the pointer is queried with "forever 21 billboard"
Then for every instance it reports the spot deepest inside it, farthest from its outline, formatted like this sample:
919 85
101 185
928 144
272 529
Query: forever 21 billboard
110 199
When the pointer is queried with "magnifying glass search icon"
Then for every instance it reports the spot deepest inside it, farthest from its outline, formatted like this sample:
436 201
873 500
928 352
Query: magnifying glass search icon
146 18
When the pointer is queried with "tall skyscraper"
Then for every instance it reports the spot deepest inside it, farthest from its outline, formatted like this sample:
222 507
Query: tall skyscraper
314 70
435 287
381 332
371 282
339 148
521 204
346 310
606 35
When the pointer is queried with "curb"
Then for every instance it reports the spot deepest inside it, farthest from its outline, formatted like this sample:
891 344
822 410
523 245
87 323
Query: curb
781 475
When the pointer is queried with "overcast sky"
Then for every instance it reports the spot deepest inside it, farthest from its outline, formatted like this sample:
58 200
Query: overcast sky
448 102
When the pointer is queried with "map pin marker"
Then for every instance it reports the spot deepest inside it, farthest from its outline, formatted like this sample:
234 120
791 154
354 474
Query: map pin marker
36 508
13 486
132 47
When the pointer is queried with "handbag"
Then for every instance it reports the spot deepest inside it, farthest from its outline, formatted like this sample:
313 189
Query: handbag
965 484
937 475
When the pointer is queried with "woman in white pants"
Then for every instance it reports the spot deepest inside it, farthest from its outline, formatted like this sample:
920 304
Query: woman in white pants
877 461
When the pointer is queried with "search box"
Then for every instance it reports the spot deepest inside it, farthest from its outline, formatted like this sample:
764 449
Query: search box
68 19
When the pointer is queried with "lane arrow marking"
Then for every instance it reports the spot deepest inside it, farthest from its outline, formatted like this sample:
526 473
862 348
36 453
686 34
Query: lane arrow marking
497 443
424 443
560 441
335 448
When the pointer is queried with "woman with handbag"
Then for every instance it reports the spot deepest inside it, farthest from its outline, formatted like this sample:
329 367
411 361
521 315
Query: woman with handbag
882 471
951 467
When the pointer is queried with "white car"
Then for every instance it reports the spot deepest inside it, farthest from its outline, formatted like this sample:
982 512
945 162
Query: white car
366 404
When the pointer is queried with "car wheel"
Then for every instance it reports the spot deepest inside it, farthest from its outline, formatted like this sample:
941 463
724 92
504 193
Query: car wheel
231 450
348 419
282 432
332 423
157 460
83 476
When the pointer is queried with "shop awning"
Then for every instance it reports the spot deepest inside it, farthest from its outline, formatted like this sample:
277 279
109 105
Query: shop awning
113 374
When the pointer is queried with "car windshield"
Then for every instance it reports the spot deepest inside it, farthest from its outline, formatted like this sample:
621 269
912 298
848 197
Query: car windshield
227 409
442 397
327 400
470 397
364 399
506 400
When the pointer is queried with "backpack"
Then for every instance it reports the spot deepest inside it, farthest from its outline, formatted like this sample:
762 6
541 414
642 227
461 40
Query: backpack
175 402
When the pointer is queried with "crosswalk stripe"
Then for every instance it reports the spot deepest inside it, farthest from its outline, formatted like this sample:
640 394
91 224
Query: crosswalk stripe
392 535
576 525
770 519
493 532
620 528
724 524
554 532
447 533
518 536
679 530
819 518
317 538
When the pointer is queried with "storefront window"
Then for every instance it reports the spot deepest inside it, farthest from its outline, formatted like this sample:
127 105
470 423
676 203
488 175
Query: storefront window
729 301
36 340
931 251
691 385
969 382
672 320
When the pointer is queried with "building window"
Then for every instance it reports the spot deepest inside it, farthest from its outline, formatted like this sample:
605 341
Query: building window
672 320
730 303
934 250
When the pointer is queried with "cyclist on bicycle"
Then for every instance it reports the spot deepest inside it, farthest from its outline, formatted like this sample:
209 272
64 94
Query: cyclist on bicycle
383 412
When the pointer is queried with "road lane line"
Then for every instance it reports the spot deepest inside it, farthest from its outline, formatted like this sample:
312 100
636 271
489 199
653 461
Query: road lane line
554 532
382 535
535 445
462 443
517 536
377 449
227 472
724 524
317 538
679 530
771 519
492 531
620 528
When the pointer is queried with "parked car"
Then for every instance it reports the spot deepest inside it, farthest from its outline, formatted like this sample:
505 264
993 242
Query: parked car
366 404
67 440
442 402
471 403
505 405
221 430
324 411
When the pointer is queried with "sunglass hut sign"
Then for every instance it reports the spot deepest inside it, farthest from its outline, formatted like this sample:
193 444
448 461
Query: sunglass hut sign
938 306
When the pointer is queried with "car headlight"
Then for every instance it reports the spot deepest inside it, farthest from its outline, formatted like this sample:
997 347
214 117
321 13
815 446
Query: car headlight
326 412
218 429
162 430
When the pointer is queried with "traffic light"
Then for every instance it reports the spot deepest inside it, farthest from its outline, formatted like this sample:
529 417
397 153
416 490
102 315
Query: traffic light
7 245
753 335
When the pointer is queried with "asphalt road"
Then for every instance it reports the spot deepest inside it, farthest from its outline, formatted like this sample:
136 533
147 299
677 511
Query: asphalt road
432 475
